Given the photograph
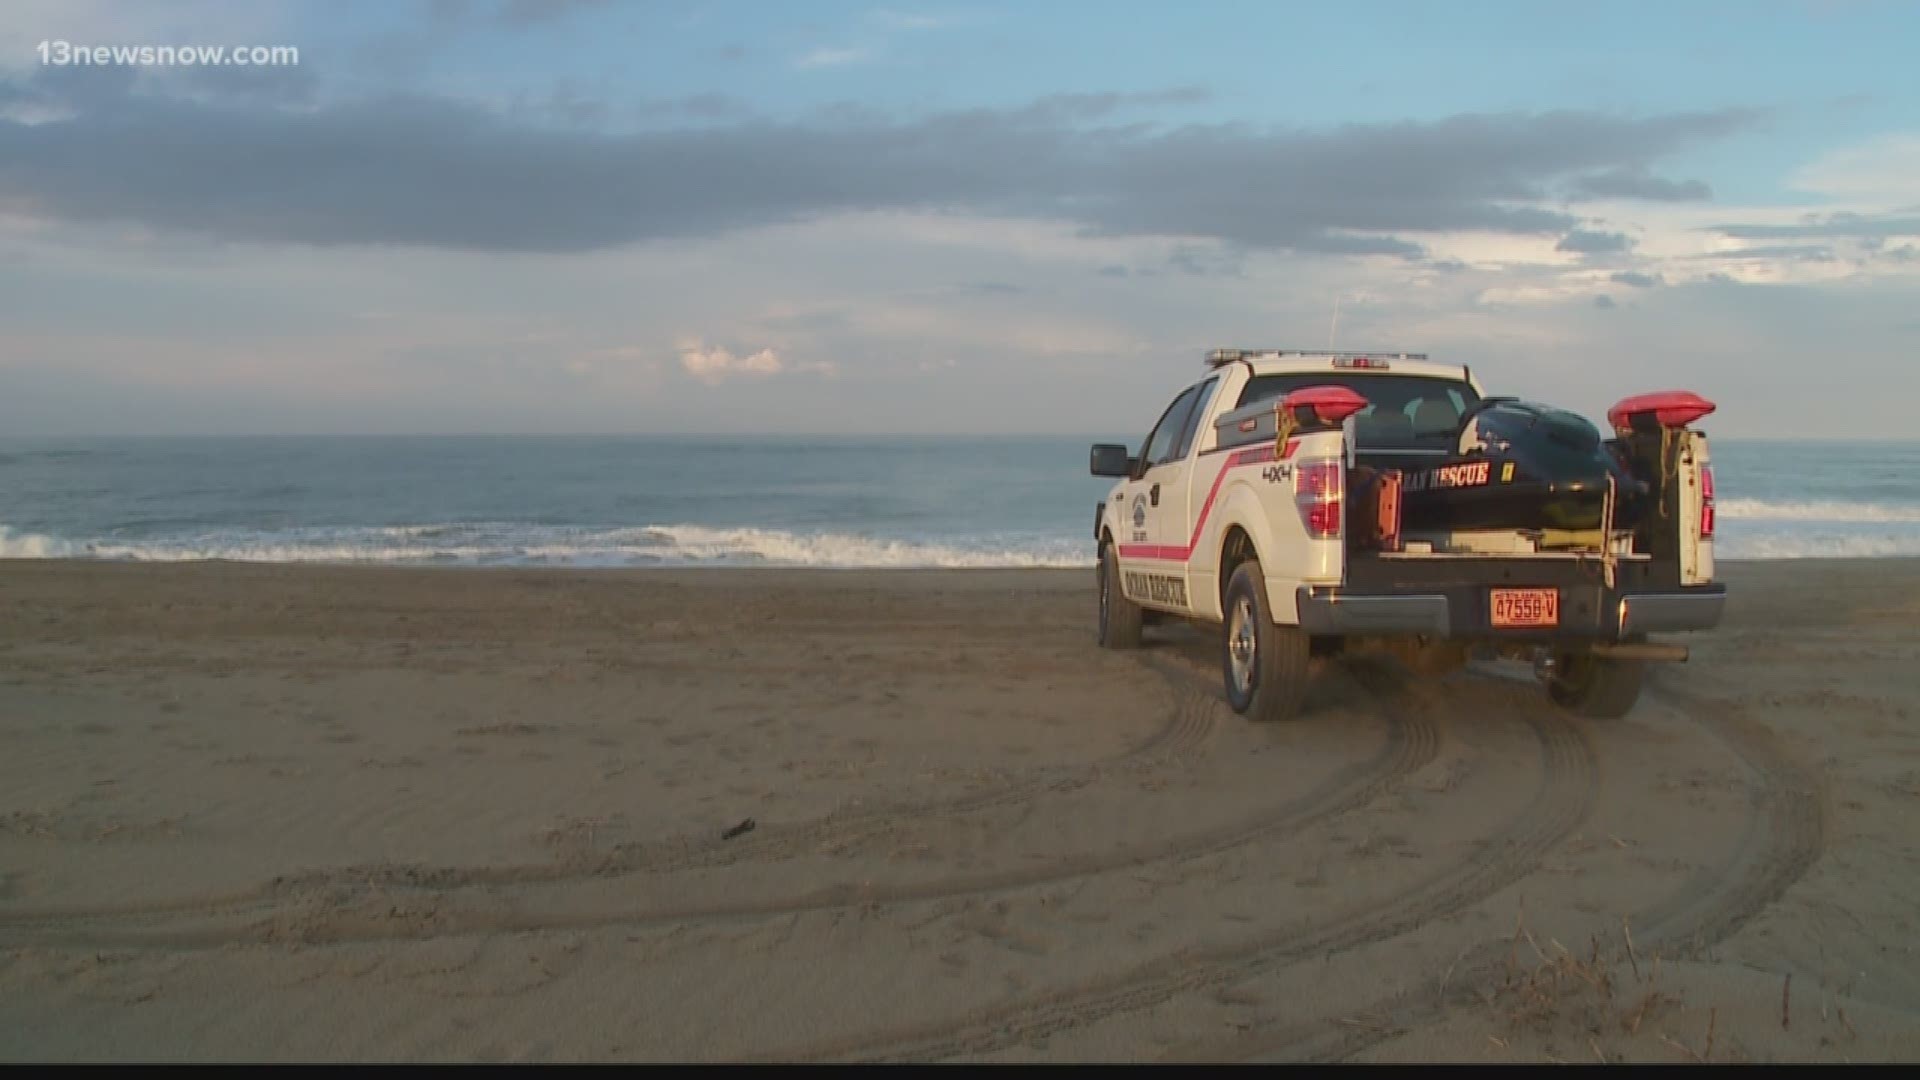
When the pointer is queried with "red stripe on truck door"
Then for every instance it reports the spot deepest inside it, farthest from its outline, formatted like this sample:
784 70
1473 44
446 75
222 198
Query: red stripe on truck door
1166 553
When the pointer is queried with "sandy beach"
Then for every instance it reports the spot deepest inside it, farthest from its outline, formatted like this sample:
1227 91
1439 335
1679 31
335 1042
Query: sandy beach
304 813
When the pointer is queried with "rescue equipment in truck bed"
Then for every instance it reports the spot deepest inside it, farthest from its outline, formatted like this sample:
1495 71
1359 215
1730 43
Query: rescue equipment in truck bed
1522 465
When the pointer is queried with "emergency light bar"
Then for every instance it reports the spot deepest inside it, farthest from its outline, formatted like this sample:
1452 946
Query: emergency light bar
1361 360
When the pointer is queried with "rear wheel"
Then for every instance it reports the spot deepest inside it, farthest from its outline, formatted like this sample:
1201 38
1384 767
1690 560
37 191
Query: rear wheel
1264 665
1596 688
1119 616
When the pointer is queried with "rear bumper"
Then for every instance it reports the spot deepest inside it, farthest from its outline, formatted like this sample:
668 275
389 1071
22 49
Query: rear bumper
1699 608
1461 610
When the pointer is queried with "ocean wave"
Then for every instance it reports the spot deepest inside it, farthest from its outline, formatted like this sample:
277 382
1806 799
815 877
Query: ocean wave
15 545
507 544
1817 545
1818 510
701 544
1816 529
513 544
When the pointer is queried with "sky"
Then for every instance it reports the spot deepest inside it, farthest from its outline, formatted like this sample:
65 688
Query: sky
615 216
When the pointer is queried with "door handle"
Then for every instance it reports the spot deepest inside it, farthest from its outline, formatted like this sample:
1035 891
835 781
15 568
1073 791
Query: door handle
1154 494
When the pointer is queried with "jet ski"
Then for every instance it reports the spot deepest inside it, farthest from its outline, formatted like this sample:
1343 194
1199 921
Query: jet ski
1522 465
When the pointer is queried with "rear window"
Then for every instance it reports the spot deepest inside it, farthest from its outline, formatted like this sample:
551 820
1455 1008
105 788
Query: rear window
1403 411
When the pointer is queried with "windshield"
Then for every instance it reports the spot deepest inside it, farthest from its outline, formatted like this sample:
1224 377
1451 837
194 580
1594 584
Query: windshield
1403 411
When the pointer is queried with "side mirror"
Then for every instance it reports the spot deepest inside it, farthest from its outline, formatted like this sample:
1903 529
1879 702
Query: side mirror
1110 459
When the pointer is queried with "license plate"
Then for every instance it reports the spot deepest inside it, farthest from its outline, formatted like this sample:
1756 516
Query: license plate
1526 607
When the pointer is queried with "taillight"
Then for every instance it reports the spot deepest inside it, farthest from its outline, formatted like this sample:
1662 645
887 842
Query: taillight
1706 502
1317 486
1389 514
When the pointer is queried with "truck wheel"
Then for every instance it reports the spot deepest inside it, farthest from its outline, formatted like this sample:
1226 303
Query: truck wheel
1119 616
1265 665
1595 688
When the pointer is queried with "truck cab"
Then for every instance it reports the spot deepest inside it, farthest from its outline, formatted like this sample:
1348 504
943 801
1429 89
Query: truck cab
1318 502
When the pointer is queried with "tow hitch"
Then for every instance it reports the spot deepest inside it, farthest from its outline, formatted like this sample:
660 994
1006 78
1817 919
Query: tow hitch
1659 652
1547 662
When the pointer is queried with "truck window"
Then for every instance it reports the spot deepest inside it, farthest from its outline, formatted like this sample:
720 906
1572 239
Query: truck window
1403 411
1194 416
1165 440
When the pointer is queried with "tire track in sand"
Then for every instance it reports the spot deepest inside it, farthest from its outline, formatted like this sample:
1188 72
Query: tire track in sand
1568 786
354 906
1187 727
1784 836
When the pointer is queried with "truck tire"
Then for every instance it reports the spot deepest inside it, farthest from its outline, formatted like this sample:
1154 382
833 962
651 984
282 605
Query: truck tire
1119 616
1596 688
1263 664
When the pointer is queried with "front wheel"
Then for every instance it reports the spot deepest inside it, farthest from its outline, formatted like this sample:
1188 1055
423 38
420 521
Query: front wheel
1119 616
1265 665
1595 688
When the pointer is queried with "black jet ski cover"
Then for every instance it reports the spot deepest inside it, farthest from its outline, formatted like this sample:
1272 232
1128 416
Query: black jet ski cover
1521 465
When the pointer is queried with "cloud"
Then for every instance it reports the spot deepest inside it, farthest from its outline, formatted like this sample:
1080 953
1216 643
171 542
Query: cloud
1777 252
1636 279
713 106
714 365
876 294
1340 243
1206 262
789 319
1093 106
879 30
512 13
66 93
1839 225
1638 184
564 104
1604 302
426 171
1585 242
1885 169
697 107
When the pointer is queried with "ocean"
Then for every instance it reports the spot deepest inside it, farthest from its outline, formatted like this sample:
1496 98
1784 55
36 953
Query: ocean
829 502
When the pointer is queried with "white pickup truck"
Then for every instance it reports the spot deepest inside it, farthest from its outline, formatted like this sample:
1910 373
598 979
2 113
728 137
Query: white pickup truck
1311 503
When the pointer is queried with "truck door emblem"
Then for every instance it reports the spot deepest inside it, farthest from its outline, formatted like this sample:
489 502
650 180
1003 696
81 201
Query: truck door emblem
1139 511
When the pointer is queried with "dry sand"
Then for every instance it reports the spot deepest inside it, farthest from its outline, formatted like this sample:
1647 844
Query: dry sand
253 812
